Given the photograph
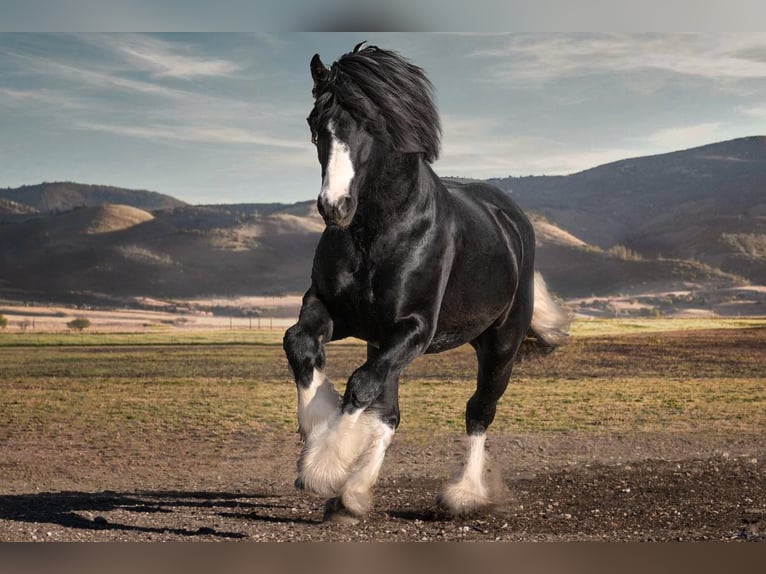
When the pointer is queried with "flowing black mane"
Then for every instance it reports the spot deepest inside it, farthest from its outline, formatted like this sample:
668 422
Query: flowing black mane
391 97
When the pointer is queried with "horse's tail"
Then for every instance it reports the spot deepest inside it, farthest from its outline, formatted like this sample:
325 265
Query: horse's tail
550 322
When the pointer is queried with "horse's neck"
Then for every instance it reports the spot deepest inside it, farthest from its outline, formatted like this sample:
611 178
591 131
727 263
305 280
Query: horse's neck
400 187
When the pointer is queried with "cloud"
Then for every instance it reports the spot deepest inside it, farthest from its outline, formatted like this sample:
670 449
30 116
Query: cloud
196 134
477 147
682 137
757 112
544 57
164 59
39 96
49 68
98 88
524 156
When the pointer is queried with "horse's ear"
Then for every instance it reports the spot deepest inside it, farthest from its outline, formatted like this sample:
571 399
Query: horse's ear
319 72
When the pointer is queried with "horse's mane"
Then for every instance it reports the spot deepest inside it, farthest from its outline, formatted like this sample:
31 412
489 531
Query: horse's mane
391 97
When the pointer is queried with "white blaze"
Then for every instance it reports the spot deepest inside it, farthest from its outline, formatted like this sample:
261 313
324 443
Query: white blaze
339 170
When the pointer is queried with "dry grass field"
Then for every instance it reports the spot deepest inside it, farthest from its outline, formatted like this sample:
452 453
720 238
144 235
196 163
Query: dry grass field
635 430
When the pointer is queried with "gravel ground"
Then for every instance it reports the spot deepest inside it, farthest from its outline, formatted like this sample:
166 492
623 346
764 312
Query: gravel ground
560 487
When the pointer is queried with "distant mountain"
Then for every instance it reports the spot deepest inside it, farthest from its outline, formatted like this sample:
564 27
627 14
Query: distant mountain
573 268
707 203
685 226
63 196
189 251
194 251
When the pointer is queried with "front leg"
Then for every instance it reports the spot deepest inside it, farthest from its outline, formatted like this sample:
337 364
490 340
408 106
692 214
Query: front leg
304 345
343 457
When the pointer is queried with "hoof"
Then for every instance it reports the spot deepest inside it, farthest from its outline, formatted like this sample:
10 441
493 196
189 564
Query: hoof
459 500
356 502
332 451
335 512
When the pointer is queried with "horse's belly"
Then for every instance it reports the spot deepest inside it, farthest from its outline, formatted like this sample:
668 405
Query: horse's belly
451 334
473 301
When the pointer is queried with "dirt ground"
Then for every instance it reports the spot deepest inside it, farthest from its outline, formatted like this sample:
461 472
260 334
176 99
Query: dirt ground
572 486
693 468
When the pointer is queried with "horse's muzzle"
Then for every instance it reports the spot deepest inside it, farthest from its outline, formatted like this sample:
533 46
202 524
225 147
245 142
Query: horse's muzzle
339 212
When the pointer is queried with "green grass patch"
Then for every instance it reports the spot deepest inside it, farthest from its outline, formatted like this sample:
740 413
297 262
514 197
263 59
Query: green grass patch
612 326
96 394
160 337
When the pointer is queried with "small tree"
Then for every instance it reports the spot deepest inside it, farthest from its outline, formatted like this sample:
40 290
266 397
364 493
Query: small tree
79 324
3 322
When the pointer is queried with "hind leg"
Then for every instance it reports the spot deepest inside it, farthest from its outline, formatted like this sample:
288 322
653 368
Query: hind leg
496 352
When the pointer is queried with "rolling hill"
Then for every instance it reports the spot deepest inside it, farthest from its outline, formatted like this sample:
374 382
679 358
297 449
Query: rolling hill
184 252
12 208
66 195
706 203
689 224
195 251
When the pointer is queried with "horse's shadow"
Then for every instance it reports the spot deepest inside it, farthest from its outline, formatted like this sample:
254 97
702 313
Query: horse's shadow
82 510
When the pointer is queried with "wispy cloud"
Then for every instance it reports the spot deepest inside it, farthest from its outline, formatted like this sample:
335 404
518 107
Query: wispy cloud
477 147
757 112
545 57
40 96
164 59
197 134
50 68
681 137
148 108
526 156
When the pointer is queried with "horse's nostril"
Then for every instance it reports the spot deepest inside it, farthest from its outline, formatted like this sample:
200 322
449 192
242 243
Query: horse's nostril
344 206
320 207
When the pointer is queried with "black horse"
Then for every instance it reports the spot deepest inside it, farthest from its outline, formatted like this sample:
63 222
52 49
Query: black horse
410 267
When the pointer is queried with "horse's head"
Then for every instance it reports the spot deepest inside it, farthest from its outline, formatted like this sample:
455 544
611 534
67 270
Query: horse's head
344 149
371 102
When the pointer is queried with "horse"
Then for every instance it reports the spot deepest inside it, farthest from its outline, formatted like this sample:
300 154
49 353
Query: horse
410 266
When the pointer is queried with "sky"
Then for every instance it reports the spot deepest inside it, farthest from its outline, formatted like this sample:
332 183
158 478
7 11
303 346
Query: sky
220 118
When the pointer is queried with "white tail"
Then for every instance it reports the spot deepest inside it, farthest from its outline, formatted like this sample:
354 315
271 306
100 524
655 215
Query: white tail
549 320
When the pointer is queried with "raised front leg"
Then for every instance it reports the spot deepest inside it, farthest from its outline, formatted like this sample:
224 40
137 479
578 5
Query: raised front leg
304 342
343 458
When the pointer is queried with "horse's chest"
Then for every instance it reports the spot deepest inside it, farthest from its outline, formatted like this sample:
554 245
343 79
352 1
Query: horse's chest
353 296
359 286
355 289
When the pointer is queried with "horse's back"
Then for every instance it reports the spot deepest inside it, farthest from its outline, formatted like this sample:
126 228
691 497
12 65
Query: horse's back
492 224
485 196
